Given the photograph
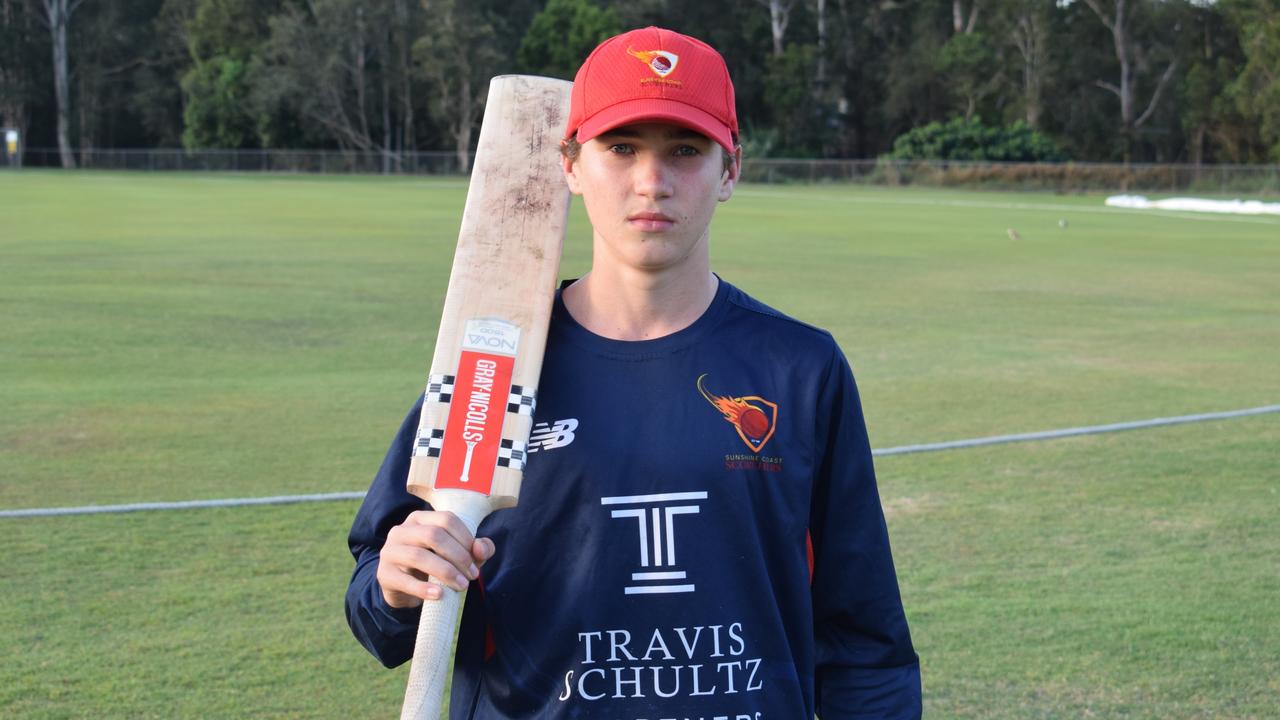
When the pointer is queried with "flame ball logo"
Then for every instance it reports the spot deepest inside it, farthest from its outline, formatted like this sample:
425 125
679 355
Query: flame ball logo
751 415
661 62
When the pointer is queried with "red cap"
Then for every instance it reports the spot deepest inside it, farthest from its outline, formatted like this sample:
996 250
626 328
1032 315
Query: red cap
654 75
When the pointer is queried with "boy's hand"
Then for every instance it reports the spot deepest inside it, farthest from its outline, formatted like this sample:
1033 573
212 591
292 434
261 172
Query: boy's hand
429 543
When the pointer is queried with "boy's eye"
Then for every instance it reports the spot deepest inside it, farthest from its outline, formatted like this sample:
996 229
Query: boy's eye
687 151
620 148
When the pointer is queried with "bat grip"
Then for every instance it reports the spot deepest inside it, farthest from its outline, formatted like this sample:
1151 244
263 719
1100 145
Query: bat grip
429 670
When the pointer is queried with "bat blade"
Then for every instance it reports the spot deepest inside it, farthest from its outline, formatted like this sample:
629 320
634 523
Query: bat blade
468 457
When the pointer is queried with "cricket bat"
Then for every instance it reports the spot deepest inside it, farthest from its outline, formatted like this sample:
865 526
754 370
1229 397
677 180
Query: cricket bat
472 438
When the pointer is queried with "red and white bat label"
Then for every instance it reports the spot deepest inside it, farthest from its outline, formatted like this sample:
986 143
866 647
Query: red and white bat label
473 432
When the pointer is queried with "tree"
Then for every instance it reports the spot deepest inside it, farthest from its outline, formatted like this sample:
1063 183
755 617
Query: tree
224 39
1215 129
788 92
1029 33
854 80
406 15
157 96
562 34
968 59
19 59
113 40
1118 19
1257 88
57 18
779 17
958 15
458 56
217 115
916 90
332 66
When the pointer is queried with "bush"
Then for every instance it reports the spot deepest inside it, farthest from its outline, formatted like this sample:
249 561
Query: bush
960 139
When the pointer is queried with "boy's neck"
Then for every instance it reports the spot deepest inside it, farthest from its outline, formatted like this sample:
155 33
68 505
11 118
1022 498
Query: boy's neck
622 303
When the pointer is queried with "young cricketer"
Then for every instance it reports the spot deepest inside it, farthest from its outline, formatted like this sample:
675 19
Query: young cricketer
699 532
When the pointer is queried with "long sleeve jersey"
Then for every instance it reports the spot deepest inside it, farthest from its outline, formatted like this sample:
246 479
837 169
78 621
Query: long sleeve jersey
699 535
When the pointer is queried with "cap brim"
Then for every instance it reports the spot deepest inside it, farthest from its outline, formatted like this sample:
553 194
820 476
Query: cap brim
656 110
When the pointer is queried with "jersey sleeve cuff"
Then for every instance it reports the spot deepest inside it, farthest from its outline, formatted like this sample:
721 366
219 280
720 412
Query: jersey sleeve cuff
393 621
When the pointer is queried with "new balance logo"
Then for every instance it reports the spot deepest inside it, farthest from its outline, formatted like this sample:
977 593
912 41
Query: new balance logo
553 435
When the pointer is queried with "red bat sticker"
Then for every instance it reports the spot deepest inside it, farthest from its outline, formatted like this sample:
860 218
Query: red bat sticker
473 432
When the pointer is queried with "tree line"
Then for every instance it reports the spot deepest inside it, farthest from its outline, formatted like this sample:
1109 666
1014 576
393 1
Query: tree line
1095 80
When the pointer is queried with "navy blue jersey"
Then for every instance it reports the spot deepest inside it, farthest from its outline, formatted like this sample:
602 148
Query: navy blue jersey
699 535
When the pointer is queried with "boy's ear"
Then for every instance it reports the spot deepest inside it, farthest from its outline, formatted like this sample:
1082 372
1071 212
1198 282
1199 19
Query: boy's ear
731 175
570 172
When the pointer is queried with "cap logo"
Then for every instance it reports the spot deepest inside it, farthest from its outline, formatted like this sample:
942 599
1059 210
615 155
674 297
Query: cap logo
661 62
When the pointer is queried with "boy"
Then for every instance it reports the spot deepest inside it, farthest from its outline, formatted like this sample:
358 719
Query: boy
699 533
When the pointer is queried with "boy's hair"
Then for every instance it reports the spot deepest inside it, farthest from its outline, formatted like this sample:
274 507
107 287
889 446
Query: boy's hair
571 148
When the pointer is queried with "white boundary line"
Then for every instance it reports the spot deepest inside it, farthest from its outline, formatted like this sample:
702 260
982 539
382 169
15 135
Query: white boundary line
1073 432
900 450
184 505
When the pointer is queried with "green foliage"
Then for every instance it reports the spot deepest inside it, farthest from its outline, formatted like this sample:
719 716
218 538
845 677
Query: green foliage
967 60
914 91
317 72
457 61
21 59
789 93
1211 115
224 39
228 27
960 139
157 98
758 141
216 115
562 34
1257 89
966 53
342 73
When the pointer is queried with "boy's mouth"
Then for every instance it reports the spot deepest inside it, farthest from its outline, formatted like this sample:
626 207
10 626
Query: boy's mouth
648 221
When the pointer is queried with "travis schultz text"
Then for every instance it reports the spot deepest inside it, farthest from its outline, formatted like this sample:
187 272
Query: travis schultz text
688 662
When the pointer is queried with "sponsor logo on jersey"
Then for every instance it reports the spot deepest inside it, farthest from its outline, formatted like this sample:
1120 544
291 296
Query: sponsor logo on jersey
549 436
658 570
717 666
751 415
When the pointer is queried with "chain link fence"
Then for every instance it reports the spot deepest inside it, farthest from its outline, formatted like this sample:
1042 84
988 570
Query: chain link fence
1257 180
277 161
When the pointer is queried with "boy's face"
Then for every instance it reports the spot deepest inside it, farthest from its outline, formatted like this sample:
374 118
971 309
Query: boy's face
650 190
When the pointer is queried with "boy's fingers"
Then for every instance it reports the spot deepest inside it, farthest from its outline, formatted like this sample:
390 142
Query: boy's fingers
446 520
402 590
482 549
438 534
415 560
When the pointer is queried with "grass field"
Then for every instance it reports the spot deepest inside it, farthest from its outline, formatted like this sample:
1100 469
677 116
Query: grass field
174 337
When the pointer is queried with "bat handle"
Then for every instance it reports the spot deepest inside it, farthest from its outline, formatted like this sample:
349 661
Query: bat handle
429 670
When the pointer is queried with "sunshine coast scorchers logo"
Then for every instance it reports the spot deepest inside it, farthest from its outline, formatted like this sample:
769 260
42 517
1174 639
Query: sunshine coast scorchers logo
751 415
661 62
754 419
